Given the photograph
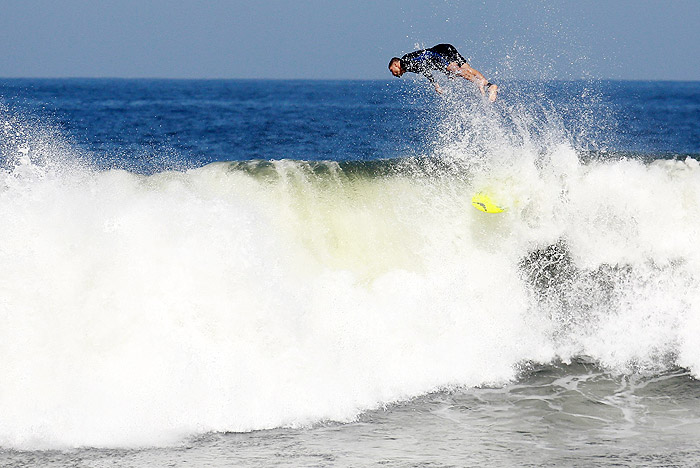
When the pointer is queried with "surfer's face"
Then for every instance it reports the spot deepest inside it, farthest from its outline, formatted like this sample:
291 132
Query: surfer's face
395 69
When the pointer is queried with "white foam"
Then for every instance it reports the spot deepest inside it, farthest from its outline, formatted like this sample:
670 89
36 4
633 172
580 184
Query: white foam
141 309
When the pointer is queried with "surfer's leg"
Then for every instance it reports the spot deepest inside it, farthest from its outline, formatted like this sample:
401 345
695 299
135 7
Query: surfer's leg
472 74
493 91
452 69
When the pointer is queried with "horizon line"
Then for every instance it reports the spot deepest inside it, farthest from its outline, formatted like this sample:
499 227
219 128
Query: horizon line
157 78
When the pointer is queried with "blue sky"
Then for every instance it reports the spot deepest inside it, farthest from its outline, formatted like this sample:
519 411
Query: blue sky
316 39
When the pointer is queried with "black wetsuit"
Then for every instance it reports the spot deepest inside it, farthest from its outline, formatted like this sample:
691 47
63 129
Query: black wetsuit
434 58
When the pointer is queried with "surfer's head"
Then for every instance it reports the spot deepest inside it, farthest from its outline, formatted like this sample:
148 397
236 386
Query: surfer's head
395 67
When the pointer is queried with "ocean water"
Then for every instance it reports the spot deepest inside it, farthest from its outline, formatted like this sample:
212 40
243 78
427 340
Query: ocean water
291 273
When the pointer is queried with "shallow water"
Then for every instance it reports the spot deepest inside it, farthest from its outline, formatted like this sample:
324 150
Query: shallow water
563 415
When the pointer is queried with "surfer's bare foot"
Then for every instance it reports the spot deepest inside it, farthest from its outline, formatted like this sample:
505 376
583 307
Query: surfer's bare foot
493 92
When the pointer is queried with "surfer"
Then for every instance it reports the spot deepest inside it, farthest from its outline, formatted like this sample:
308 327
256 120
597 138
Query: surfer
444 58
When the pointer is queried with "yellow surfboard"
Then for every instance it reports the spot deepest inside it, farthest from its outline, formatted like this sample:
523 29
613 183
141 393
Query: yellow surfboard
483 202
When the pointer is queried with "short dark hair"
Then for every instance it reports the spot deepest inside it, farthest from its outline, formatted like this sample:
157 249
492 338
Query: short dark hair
394 59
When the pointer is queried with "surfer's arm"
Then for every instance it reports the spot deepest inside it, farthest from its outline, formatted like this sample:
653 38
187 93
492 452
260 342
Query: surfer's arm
431 78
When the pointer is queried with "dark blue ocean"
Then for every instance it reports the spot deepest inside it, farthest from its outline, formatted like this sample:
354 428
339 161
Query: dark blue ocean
150 125
292 273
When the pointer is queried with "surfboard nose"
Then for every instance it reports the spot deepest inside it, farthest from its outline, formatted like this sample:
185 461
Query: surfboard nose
483 202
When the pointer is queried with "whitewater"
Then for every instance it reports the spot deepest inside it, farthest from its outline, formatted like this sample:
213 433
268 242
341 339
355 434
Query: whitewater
147 309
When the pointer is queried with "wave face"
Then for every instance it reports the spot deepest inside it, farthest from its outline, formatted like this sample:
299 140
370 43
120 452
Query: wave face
140 309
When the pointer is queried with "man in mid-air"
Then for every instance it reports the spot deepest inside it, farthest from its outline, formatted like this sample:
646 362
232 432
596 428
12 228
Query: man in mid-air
444 58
